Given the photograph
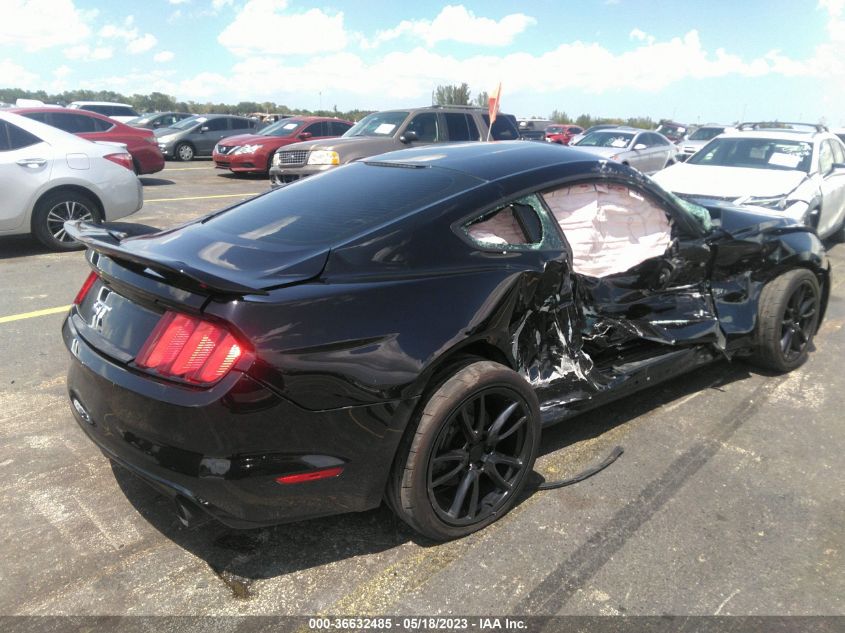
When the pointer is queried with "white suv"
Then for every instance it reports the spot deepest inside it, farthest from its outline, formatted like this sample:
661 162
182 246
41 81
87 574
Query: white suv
48 177
118 111
795 169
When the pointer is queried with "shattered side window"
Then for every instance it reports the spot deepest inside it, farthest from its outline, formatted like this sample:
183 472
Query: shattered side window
515 225
610 227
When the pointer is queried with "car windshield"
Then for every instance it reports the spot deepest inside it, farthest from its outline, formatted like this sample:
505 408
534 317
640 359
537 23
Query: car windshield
338 205
554 129
706 133
607 138
377 124
186 124
755 153
139 120
285 127
670 129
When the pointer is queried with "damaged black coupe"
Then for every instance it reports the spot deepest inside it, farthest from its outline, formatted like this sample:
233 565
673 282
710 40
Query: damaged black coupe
402 328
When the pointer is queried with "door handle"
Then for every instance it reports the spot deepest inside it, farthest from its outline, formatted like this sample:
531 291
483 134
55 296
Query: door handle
32 163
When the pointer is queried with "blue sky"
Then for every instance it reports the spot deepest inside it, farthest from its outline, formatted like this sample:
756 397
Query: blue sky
689 60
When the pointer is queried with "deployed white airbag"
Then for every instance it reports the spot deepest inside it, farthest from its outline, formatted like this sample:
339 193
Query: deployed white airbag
610 227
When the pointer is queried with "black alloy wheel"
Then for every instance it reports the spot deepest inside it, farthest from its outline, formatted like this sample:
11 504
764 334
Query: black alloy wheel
788 316
463 464
479 456
799 321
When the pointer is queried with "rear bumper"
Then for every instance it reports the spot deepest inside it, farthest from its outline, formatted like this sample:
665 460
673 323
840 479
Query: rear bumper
223 448
148 158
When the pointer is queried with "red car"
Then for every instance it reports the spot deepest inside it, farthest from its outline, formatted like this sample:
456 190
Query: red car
562 133
252 153
140 143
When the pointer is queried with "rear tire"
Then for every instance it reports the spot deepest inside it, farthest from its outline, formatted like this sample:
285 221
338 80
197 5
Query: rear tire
184 152
53 210
788 315
470 455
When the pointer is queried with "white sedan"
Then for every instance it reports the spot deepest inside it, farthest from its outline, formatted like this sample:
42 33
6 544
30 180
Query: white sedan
48 176
799 174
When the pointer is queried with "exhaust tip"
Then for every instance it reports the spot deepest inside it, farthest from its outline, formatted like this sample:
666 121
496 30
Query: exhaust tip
189 513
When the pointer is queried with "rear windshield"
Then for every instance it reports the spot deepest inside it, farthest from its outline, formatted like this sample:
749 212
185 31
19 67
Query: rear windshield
504 128
327 209
706 133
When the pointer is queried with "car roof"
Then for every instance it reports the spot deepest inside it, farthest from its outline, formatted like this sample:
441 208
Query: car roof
100 103
74 112
48 133
779 135
485 161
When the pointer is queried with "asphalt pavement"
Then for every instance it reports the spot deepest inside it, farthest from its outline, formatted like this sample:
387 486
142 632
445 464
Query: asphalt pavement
728 500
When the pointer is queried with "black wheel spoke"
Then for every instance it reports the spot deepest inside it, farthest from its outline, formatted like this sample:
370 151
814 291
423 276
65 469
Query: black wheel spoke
466 425
786 341
447 477
482 415
458 455
461 494
516 426
496 477
499 458
472 510
493 434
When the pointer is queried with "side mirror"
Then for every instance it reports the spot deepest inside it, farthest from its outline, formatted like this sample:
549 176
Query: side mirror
305 136
157 124
640 146
204 128
408 137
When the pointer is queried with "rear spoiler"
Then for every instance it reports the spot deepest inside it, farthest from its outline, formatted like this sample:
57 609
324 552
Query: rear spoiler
106 239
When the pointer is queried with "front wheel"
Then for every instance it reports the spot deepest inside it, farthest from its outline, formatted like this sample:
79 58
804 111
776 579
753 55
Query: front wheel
788 316
184 151
471 454
51 213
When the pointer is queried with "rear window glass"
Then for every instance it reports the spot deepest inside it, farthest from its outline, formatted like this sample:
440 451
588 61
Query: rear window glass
504 128
13 137
327 209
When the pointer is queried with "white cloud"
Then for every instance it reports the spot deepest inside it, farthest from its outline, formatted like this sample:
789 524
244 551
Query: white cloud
163 56
264 27
15 76
178 1
458 24
641 36
85 53
39 24
135 43
219 4
833 7
62 71
141 44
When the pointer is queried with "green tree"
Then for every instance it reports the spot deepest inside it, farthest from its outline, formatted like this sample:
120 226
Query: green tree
452 95
483 99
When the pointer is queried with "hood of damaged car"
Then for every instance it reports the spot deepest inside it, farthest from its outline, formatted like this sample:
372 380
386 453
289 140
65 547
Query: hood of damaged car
741 221
728 182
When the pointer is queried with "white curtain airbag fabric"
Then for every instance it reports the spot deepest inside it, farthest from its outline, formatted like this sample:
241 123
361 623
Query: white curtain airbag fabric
610 228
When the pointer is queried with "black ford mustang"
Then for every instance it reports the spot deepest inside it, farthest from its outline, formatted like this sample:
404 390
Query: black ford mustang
402 328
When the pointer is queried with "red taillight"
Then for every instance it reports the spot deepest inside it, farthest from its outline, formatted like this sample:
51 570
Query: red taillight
313 475
80 296
191 349
123 159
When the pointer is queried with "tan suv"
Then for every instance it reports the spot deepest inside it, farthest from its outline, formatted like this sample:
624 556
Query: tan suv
382 132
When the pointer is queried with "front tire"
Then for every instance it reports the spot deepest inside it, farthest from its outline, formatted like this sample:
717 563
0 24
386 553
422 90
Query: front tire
56 208
471 453
184 152
788 316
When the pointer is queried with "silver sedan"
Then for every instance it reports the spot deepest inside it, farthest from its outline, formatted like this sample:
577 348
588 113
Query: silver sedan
646 151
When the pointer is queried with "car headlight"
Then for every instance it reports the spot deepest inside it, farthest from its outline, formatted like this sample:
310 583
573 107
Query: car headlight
769 202
166 138
246 149
323 157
